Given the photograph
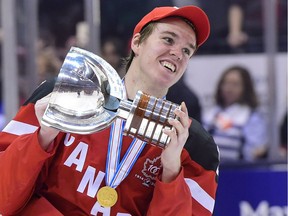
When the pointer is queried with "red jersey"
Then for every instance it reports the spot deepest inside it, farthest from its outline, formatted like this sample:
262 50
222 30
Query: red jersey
65 180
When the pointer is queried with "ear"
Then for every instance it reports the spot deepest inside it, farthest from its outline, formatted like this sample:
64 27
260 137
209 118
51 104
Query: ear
135 43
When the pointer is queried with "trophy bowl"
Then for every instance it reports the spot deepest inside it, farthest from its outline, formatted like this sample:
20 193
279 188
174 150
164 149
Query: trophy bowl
86 94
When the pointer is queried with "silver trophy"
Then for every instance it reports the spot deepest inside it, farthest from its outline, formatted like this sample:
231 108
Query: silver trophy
89 95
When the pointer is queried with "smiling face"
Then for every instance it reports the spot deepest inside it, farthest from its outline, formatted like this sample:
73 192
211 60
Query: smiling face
162 58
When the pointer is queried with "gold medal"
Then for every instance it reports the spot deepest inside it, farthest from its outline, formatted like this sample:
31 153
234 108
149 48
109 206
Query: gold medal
107 196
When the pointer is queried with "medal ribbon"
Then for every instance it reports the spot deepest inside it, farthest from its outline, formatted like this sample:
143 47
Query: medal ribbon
117 171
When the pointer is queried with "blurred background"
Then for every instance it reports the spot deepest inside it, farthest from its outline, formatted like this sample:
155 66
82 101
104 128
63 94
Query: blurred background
35 36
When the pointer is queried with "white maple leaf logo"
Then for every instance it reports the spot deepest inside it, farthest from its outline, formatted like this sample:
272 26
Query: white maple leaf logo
151 168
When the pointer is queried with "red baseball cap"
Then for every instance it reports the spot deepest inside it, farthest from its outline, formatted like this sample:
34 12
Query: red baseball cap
192 13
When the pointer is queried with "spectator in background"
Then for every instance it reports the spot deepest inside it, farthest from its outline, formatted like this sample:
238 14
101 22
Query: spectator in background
112 50
216 11
236 124
48 64
236 36
240 28
180 92
246 25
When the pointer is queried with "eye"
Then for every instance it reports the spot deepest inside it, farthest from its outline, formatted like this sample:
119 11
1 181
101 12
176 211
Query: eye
187 51
168 40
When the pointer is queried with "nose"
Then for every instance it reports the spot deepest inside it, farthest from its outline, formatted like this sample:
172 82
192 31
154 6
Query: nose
176 53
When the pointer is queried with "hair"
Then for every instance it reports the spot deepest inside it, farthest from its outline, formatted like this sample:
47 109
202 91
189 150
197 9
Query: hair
146 32
248 97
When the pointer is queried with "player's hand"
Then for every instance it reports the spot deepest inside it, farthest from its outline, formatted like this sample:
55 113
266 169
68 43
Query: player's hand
46 134
171 155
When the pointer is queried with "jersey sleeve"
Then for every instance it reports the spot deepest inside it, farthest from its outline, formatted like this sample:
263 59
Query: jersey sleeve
21 157
193 192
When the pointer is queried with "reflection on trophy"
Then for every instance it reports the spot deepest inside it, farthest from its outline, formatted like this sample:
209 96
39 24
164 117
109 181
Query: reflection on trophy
89 95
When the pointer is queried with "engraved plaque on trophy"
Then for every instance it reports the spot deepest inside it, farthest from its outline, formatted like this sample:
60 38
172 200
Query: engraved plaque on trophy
89 95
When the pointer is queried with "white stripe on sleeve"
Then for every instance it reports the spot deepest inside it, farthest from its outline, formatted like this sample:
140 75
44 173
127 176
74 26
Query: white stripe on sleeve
19 128
200 195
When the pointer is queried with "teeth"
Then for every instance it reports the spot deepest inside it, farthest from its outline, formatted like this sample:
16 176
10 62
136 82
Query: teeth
169 66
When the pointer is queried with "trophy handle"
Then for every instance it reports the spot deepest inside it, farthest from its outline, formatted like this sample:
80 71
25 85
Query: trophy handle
146 116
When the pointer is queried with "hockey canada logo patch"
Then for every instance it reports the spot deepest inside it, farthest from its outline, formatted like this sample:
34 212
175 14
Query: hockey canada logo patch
150 171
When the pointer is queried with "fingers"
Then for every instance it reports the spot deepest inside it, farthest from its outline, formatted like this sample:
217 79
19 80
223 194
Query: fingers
42 103
182 115
180 125
178 134
45 99
46 134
